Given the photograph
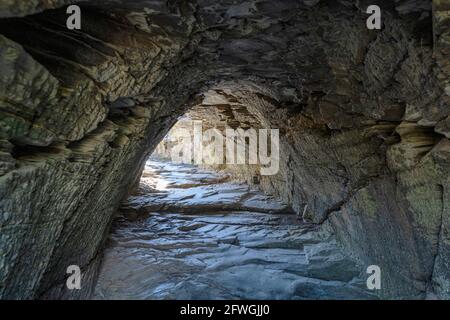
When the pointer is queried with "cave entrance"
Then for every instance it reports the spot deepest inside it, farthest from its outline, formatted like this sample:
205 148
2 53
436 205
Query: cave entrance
215 143
204 229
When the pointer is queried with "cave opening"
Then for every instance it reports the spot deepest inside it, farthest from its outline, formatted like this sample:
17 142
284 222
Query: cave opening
200 226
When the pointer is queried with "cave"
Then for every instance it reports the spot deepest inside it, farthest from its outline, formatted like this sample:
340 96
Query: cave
361 115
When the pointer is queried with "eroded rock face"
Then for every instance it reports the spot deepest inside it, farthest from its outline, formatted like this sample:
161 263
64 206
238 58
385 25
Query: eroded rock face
363 117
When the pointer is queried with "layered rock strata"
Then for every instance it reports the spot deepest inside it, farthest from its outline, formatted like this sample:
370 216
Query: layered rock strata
363 116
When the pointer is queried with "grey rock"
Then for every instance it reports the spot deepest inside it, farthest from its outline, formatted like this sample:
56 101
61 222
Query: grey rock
362 115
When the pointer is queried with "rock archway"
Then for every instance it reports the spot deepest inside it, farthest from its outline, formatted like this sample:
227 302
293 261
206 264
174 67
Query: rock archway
363 117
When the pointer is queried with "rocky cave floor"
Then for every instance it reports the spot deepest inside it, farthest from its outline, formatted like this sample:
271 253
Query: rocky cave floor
191 233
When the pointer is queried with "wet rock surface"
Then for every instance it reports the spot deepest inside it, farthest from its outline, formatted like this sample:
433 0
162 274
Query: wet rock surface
217 252
188 189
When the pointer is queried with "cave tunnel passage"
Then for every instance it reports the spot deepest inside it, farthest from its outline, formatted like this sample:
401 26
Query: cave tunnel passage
362 130
201 231
191 233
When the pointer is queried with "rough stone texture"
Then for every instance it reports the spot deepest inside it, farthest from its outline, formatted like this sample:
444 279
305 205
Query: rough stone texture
363 117
19 8
249 250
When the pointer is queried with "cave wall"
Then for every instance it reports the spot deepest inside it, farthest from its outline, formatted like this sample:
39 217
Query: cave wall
363 117
71 148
